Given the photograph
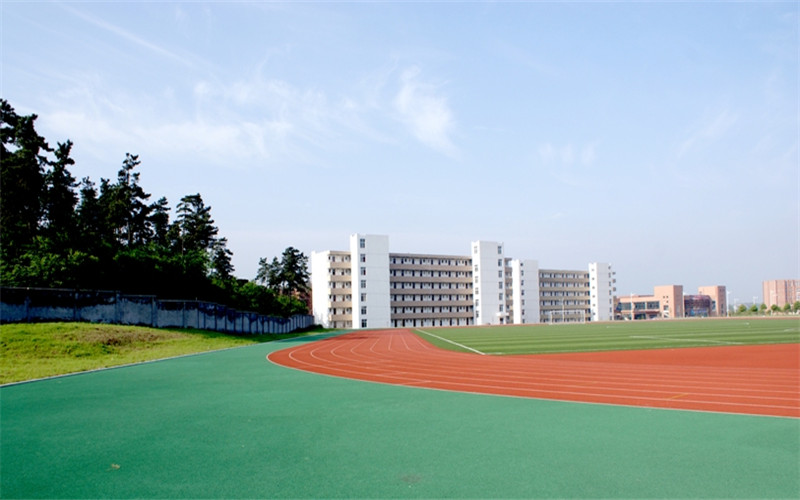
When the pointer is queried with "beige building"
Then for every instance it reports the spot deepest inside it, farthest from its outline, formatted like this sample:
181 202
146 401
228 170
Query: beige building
666 302
669 301
781 292
719 299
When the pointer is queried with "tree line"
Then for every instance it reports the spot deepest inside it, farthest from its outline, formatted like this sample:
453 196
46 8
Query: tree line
763 309
57 232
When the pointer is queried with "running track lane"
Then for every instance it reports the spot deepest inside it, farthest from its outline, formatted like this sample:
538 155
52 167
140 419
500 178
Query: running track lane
753 379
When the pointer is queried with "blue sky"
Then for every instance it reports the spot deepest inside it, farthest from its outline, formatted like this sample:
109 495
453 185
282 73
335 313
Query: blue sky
660 137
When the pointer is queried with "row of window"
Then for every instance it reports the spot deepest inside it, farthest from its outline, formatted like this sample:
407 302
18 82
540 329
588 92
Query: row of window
420 261
570 276
429 286
563 303
428 298
339 272
563 294
548 284
429 274
431 310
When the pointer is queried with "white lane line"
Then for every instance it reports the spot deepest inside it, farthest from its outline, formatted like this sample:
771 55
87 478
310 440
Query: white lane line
451 342
684 340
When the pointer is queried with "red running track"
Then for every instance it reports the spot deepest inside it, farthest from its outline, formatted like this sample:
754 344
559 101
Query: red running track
751 379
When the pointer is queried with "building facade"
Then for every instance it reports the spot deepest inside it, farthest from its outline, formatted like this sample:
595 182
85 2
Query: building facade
719 299
370 287
669 301
781 292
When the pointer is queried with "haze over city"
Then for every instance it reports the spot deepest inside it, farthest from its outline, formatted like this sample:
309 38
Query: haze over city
659 137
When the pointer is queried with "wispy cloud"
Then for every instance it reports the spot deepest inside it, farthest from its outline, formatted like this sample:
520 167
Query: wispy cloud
425 111
130 37
567 155
708 129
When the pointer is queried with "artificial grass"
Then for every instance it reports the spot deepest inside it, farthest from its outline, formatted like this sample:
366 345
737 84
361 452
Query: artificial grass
620 335
230 424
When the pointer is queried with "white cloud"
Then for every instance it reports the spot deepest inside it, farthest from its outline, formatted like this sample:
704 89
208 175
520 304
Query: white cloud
425 111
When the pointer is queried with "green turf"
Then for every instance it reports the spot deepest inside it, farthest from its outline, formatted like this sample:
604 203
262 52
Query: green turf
530 339
230 424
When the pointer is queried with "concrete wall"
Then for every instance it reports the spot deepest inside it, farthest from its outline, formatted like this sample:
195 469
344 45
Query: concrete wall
19 305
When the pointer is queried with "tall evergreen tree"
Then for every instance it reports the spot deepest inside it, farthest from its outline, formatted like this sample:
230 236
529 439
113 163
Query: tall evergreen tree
125 207
60 200
195 229
23 156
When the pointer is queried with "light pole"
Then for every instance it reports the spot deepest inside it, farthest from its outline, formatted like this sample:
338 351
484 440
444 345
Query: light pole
728 304
632 317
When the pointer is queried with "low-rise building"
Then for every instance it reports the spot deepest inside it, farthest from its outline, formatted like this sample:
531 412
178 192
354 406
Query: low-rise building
669 301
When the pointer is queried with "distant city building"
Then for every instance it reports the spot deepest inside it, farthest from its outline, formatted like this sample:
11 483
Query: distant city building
781 292
669 301
370 287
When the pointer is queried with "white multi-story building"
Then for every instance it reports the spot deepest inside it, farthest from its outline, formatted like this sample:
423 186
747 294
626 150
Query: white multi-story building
601 280
370 280
369 287
489 278
524 291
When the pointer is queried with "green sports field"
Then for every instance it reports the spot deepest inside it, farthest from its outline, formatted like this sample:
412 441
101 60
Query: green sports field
230 424
535 339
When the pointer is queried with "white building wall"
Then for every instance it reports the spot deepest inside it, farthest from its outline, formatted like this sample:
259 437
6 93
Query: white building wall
369 257
601 283
488 272
525 291
320 287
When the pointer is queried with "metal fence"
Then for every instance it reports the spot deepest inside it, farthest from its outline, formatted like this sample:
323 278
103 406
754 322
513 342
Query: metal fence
19 305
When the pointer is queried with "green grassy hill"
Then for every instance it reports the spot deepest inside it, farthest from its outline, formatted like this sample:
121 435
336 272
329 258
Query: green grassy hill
36 350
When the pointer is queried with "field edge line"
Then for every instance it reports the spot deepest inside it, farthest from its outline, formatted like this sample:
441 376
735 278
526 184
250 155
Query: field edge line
451 342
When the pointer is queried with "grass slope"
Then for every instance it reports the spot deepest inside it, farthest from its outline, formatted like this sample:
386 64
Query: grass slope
533 339
36 350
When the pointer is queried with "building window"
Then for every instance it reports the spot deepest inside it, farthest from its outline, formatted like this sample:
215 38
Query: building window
363 297
499 250
363 257
363 309
363 271
363 323
362 243
363 283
